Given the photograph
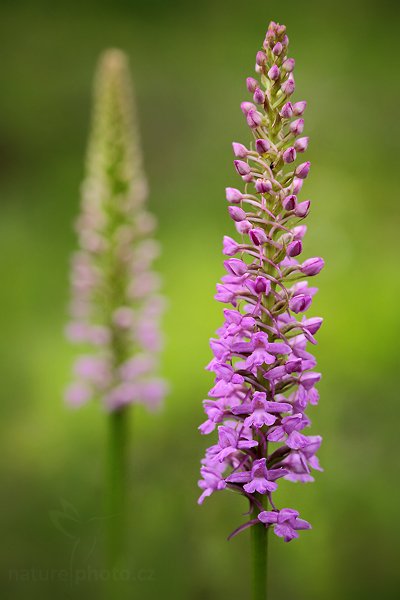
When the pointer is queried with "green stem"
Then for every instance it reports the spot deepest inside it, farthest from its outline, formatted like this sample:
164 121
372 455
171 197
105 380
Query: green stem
259 542
116 491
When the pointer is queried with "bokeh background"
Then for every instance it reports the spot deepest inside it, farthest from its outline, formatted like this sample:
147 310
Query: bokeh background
189 62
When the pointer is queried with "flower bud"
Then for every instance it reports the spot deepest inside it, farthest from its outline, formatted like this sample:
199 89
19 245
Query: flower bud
302 209
262 146
233 195
313 324
301 144
299 108
243 226
288 65
247 178
239 150
271 31
286 110
300 303
289 155
261 59
252 84
241 167
246 106
299 232
290 202
263 186
297 185
288 86
230 246
294 248
253 119
258 236
237 213
259 97
261 285
297 126
303 170
235 266
312 266
274 73
277 49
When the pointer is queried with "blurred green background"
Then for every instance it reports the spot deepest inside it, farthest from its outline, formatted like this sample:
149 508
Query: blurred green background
189 62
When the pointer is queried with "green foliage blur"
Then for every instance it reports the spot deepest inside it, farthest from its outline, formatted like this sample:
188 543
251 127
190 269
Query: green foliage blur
189 62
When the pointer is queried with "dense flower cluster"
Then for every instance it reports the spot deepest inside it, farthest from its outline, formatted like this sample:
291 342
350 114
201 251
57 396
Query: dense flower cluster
265 376
115 308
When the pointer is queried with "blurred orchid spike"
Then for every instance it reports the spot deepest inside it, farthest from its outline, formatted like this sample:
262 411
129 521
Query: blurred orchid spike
115 305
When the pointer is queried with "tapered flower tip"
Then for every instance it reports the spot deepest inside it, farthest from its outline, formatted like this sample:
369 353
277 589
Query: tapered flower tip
275 32
113 73
114 60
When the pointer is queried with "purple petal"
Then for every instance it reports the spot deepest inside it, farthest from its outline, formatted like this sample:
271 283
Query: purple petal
268 517
239 477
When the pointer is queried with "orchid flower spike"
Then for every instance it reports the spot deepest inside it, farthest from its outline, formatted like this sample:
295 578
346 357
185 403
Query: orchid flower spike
264 373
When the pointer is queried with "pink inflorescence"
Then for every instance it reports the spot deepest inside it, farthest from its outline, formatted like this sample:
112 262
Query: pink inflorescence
115 305
265 376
